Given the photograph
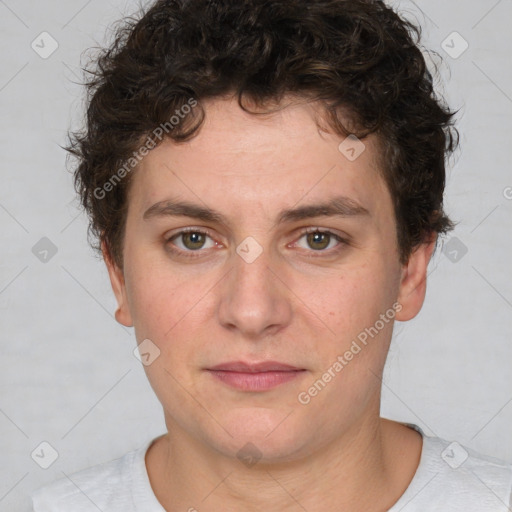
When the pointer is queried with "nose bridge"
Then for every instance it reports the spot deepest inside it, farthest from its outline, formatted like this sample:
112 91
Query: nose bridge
253 298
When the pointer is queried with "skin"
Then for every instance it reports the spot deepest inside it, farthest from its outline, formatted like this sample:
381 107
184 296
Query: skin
299 302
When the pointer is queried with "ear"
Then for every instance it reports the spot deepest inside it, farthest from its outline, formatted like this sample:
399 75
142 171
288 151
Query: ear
122 315
413 283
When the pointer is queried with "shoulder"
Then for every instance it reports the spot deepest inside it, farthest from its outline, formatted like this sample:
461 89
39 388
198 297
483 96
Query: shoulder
453 477
464 464
105 486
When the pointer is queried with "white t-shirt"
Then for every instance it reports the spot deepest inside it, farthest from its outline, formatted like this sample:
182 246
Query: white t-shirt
449 478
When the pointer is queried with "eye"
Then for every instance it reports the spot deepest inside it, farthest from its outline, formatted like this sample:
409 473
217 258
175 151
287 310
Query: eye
193 240
190 240
320 240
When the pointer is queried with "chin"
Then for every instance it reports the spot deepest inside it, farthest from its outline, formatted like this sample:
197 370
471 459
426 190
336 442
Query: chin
260 433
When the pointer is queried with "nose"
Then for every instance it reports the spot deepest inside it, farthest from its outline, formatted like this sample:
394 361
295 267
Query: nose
254 298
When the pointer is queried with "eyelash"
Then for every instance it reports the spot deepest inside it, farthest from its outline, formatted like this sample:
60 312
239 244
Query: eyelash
198 253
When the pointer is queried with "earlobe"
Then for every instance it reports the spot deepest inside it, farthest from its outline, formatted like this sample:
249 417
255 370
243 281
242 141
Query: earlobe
413 284
122 314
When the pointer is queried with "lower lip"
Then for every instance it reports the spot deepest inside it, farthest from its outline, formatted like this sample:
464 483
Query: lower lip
260 381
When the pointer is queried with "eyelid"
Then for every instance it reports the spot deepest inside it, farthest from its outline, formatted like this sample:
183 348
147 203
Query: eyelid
188 229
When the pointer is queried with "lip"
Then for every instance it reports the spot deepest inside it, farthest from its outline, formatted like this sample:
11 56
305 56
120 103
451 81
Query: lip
264 366
261 376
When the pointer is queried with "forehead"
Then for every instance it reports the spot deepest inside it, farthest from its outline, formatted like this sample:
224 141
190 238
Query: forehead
253 163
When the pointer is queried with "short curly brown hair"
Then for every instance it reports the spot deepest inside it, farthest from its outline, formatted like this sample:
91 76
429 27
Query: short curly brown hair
356 57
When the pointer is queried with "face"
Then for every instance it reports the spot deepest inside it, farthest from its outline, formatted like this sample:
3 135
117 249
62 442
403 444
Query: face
259 241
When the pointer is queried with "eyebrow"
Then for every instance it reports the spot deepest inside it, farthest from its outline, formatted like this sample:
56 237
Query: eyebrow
339 206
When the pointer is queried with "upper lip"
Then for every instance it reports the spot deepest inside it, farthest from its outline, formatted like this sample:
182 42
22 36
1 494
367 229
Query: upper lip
264 366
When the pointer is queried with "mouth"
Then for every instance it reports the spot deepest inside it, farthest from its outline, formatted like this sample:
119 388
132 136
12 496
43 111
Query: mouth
255 377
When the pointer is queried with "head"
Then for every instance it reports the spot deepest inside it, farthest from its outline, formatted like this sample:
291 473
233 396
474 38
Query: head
301 148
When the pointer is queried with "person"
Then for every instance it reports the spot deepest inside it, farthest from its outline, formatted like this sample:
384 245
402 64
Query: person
265 182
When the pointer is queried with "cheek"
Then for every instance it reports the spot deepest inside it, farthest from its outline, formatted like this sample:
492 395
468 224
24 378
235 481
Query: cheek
155 299
358 341
171 308
351 306
157 307
355 298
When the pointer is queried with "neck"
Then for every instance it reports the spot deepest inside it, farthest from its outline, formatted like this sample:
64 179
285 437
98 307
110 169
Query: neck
367 468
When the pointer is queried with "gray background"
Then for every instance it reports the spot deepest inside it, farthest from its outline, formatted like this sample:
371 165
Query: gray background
67 372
